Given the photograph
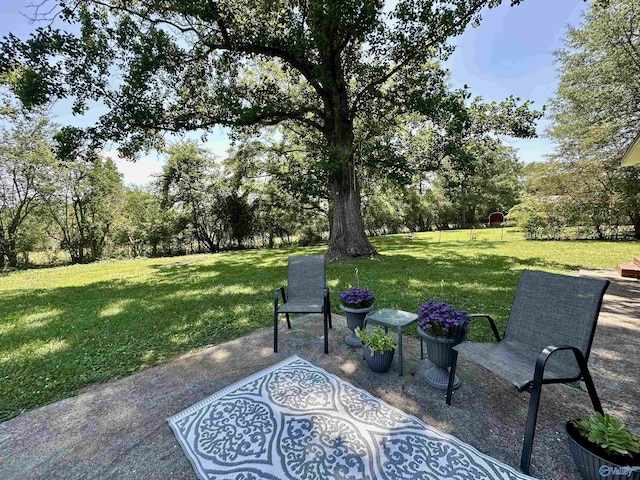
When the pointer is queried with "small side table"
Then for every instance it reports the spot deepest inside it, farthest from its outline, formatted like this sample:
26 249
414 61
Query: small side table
391 318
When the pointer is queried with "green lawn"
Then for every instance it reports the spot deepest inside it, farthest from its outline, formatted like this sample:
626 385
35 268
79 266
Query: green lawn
64 328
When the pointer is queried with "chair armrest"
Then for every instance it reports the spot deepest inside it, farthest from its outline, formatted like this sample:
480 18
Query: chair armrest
492 323
541 361
460 330
325 298
279 291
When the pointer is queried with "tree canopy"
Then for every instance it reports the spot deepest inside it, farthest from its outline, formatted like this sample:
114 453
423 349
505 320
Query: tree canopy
596 113
345 71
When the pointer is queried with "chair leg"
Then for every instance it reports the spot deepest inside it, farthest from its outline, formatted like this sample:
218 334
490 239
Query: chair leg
326 332
593 394
288 320
275 332
532 417
452 373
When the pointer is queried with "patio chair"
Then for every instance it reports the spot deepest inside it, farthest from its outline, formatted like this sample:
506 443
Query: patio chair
307 293
547 340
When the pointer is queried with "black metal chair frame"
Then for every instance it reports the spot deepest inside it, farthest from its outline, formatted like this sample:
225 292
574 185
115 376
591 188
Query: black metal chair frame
534 387
326 313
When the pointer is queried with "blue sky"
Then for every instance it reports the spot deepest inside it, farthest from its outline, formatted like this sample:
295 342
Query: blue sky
510 53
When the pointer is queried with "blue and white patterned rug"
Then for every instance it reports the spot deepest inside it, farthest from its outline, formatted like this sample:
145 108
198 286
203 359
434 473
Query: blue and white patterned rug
297 421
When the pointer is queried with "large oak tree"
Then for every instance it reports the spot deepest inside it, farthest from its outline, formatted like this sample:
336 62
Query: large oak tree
182 65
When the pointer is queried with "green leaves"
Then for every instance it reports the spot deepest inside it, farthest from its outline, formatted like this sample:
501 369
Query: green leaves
607 432
377 340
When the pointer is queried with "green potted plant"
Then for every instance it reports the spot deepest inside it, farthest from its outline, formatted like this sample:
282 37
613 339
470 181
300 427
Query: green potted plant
355 303
438 323
378 348
604 448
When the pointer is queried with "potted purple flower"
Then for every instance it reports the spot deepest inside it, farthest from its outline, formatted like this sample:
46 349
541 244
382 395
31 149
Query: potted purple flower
355 303
438 324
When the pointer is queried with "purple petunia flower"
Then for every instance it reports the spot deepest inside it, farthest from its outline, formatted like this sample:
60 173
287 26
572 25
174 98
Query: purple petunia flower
441 319
357 298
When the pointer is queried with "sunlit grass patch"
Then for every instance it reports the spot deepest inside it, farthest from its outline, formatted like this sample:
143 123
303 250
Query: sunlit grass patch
66 327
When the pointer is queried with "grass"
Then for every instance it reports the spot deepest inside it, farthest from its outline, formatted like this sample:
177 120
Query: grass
64 328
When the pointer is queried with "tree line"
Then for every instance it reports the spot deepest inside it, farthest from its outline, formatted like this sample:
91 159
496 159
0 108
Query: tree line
344 119
349 82
58 193
582 190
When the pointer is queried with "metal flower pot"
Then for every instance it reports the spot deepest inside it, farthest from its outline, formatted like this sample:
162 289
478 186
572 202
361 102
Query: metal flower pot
440 353
378 362
594 467
355 319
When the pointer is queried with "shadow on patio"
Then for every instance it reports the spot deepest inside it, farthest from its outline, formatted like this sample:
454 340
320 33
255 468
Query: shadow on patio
117 429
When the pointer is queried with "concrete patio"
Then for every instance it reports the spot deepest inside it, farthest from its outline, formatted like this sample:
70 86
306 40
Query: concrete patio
118 429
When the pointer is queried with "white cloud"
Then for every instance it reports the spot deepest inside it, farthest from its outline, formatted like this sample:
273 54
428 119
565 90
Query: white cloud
140 172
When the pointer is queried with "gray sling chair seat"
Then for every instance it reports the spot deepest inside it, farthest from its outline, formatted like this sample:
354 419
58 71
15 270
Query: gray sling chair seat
307 293
547 340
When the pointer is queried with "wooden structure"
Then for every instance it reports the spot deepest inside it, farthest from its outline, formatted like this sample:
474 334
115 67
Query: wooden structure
630 270
496 219
632 155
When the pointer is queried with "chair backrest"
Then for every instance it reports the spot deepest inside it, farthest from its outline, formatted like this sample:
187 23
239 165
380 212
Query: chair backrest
552 309
306 278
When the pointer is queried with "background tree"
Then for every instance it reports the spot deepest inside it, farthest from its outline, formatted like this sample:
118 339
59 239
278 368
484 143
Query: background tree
84 196
487 184
597 109
322 65
192 182
144 227
25 162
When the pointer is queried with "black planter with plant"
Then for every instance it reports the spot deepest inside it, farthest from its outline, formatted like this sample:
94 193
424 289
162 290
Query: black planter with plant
355 303
438 327
378 348
604 449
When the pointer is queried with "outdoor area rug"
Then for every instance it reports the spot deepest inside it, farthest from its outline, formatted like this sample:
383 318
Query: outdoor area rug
297 421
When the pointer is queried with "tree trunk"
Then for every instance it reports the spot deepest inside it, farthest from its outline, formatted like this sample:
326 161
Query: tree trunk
12 256
348 238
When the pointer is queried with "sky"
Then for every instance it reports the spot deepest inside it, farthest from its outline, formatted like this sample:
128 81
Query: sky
510 53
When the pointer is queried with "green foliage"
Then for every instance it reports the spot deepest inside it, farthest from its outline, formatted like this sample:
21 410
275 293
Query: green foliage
377 340
84 195
339 76
607 432
26 162
192 184
487 184
579 194
595 114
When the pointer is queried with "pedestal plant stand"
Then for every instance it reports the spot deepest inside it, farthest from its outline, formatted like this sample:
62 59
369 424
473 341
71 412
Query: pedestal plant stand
441 327
439 352
355 319
355 303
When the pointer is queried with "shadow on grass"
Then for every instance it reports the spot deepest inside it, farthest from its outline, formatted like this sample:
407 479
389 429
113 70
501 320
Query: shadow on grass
58 340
